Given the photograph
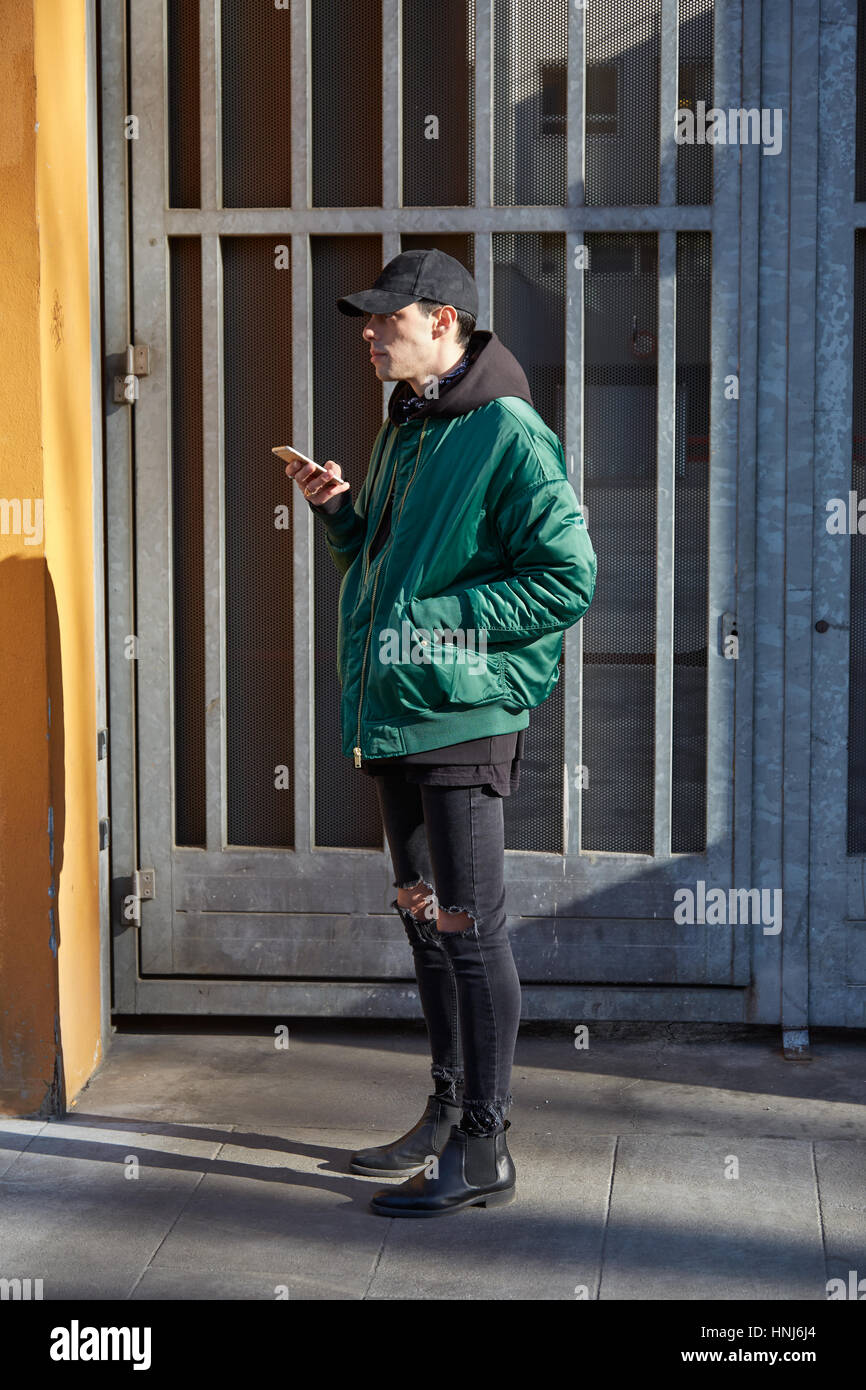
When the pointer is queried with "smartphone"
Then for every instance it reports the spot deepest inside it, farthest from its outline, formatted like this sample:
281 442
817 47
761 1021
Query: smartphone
289 452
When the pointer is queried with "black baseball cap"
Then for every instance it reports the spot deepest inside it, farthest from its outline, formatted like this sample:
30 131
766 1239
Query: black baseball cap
411 276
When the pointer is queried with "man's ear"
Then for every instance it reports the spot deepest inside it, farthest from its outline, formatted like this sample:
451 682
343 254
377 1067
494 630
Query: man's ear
447 317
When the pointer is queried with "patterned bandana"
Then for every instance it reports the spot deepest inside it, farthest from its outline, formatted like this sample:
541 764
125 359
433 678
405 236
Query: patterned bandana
405 408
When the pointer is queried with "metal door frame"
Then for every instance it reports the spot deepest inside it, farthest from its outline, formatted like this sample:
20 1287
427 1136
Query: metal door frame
732 219
837 887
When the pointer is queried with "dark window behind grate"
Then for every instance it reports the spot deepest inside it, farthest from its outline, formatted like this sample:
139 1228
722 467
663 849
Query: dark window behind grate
620 479
347 412
182 78
530 52
857 656
346 132
691 544
622 144
256 91
257 329
529 317
695 161
438 164
860 151
187 574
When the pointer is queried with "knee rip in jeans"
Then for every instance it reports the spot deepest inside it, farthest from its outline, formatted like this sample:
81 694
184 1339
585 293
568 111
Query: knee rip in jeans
419 932
466 931
423 904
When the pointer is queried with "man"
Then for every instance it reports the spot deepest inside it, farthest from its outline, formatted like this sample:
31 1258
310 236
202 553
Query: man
463 561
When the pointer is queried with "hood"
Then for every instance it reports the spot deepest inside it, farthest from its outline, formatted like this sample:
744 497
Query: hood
493 372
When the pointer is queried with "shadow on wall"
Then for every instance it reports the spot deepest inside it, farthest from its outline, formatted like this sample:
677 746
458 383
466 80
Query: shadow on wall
32 834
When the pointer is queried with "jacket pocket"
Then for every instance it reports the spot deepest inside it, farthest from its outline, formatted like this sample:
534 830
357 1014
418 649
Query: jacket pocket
417 677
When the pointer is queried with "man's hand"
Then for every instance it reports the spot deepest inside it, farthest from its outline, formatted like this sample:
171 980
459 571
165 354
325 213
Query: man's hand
318 488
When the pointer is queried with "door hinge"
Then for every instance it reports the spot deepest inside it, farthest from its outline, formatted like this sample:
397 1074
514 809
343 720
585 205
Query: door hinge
729 637
140 886
137 366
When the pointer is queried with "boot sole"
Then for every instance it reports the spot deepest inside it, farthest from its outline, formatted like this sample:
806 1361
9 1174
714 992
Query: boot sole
386 1172
491 1199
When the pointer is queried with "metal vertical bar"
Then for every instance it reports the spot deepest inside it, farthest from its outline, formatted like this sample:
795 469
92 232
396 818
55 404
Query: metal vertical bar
392 138
668 102
152 435
771 386
483 103
210 144
483 250
303 555
741 73
733 334
575 252
212 429
119 490
213 443
800 462
392 122
299 108
303 522
666 473
666 433
576 117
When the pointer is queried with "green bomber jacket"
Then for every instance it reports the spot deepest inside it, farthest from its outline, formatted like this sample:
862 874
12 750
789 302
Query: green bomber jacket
454 629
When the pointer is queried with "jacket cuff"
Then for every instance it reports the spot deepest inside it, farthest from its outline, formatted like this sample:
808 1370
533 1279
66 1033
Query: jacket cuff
340 522
441 612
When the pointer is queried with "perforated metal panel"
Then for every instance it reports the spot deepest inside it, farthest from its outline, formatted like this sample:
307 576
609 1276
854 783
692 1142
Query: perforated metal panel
695 160
257 326
462 248
347 103
438 103
256 81
691 544
623 49
182 79
347 415
620 306
857 657
530 56
529 317
187 540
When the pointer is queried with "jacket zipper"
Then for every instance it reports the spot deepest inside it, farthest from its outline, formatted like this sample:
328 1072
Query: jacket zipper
357 749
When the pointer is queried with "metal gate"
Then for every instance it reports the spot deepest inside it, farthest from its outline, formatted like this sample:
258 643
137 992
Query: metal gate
278 155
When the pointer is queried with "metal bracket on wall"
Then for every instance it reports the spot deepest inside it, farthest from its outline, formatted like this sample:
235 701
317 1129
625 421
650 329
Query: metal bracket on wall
137 366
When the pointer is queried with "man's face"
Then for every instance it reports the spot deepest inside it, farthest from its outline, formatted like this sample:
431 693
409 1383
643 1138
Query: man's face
401 344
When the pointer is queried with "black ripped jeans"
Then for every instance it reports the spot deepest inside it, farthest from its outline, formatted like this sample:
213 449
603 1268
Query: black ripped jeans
453 840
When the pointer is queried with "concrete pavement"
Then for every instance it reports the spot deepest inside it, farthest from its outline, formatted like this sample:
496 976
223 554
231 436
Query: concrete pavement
203 1161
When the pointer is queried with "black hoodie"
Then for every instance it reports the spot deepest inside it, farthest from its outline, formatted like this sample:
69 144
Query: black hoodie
493 372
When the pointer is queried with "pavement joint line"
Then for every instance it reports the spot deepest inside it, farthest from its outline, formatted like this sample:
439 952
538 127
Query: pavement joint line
183 1206
20 1152
606 1222
819 1206
378 1259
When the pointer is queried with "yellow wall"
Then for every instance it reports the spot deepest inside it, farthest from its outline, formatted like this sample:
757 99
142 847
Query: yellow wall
49 914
